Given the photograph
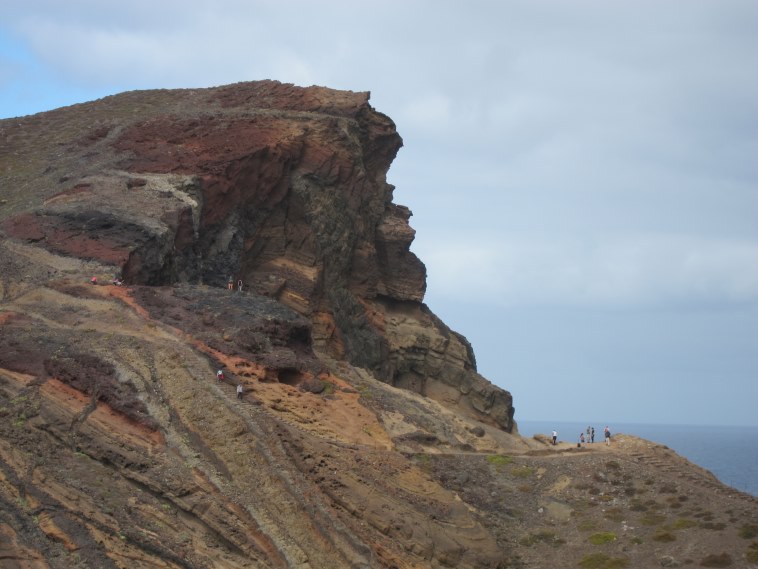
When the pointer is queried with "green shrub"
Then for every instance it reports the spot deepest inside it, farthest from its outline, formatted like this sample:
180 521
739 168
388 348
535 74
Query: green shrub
602 561
749 531
602 538
499 459
683 523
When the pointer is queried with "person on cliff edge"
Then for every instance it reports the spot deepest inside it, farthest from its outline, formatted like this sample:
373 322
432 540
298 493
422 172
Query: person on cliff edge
607 436
555 437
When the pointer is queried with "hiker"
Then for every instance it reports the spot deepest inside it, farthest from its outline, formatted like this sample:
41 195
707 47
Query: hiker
230 283
239 285
607 436
239 391
117 281
220 375
555 437
589 430
581 440
592 435
93 280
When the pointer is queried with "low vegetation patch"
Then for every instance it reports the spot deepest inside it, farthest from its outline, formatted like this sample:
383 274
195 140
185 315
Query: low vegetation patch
663 536
546 537
683 523
748 531
499 459
716 526
522 471
602 538
614 514
720 560
752 552
602 561
588 525
637 506
652 519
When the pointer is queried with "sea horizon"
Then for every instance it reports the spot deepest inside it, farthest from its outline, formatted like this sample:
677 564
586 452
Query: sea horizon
730 452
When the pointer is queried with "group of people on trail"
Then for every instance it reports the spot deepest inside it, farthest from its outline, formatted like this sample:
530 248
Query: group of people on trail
240 389
230 284
590 438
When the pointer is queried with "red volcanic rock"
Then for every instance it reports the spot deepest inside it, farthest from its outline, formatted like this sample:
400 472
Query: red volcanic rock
279 186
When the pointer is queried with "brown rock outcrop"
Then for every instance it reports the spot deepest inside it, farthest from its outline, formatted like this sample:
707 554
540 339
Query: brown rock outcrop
282 187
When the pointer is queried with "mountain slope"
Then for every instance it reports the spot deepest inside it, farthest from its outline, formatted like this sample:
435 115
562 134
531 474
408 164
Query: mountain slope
363 437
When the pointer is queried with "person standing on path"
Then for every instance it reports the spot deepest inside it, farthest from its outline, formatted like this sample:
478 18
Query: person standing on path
555 437
592 435
589 430
239 391
220 375
581 440
607 436
230 283
239 285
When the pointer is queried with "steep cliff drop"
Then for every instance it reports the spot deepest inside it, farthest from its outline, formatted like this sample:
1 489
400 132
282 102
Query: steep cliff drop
282 187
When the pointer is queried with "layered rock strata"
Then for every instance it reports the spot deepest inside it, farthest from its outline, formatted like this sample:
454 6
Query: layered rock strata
281 187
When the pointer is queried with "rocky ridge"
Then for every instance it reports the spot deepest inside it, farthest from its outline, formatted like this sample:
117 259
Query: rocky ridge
364 436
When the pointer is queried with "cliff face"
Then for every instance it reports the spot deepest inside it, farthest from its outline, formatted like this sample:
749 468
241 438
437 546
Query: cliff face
282 187
363 436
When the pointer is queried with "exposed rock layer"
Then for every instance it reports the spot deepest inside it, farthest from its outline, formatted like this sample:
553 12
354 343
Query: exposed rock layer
119 448
282 187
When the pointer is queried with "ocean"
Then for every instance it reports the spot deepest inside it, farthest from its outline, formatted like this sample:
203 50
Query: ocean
730 453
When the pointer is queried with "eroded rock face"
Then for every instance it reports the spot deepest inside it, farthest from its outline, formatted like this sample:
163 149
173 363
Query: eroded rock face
121 448
281 187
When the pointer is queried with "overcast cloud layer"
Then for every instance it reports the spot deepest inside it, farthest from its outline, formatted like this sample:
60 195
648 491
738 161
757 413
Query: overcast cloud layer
582 174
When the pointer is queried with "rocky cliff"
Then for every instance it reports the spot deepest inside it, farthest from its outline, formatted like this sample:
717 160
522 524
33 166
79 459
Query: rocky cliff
281 187
363 435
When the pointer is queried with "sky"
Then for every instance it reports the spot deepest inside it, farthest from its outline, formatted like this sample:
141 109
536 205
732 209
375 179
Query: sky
582 175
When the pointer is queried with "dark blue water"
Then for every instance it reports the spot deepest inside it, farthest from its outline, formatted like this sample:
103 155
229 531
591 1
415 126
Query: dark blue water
731 453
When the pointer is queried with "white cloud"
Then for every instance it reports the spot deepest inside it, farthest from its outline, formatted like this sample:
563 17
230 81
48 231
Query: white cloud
621 271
